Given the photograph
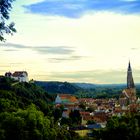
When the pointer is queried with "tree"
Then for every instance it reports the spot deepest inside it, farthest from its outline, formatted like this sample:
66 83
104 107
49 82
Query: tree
5 28
124 128
91 122
75 117
82 105
31 124
57 114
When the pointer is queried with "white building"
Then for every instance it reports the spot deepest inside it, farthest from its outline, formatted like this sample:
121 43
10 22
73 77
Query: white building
58 100
21 76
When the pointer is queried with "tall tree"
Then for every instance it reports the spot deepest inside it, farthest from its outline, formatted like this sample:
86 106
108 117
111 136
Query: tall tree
75 117
5 28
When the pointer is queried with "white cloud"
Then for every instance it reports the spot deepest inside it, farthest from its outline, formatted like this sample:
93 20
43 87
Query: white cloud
105 39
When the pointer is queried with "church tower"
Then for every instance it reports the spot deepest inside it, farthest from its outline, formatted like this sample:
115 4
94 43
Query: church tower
130 81
128 95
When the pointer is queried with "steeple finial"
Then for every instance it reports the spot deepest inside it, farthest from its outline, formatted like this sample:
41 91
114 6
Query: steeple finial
129 66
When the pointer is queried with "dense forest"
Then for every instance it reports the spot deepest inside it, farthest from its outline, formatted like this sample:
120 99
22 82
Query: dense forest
27 113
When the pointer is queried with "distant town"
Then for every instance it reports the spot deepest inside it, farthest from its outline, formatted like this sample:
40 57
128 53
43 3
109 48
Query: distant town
78 41
97 111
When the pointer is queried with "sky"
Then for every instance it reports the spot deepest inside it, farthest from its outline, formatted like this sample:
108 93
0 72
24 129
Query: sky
74 40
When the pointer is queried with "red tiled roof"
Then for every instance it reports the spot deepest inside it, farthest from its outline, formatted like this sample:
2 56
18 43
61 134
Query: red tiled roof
69 97
19 73
85 113
86 100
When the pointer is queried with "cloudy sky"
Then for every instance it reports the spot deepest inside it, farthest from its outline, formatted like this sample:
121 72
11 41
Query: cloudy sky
74 40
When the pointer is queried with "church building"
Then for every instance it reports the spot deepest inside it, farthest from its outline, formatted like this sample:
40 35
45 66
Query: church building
128 95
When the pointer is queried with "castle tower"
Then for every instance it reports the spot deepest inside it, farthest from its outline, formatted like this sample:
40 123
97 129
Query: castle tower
130 81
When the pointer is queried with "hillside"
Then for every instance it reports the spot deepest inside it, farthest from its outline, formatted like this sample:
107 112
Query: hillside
85 85
14 95
58 87
85 89
27 113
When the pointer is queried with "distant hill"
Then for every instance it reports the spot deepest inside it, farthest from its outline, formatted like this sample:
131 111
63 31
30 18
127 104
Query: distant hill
58 87
85 85
84 89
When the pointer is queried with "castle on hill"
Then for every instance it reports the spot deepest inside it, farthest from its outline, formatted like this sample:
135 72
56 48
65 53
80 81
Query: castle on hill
21 76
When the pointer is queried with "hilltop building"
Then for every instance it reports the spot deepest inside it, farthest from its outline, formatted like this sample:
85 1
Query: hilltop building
21 76
128 95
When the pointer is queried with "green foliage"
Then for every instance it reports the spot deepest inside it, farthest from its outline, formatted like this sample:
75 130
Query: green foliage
66 121
27 113
14 95
24 124
90 109
75 117
57 113
96 91
31 124
82 106
5 8
58 87
91 122
100 92
125 128
5 83
86 90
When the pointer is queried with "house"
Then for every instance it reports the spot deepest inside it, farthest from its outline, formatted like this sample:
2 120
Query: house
66 113
66 99
85 115
88 101
21 76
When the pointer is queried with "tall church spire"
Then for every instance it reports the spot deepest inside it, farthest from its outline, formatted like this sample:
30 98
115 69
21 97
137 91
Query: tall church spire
128 95
130 81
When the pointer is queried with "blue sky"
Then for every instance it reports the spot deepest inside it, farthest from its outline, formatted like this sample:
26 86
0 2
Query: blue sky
77 41
76 8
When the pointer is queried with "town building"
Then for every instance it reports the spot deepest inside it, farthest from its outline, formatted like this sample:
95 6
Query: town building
69 102
66 99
